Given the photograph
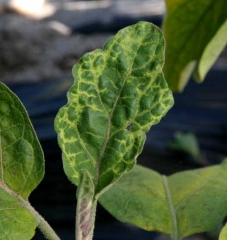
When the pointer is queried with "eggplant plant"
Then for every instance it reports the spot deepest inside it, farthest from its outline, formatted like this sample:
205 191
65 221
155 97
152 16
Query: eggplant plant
119 92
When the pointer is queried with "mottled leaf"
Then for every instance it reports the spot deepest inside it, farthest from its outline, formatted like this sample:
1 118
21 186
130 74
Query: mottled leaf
180 205
118 93
195 33
21 167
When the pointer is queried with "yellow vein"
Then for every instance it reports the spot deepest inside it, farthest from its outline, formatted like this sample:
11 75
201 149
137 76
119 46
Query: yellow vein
100 99
1 163
108 125
85 148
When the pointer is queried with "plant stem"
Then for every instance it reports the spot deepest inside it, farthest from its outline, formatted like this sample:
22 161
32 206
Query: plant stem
44 227
86 208
85 220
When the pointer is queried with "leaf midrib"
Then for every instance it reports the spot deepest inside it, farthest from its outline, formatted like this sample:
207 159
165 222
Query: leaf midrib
108 132
109 122
24 202
12 193
174 232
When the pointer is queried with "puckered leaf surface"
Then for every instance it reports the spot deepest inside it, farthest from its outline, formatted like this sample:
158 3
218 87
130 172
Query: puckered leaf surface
118 93
21 167
180 205
195 33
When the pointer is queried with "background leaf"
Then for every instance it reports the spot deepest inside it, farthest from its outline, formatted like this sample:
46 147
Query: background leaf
118 93
21 167
211 52
180 205
188 143
193 31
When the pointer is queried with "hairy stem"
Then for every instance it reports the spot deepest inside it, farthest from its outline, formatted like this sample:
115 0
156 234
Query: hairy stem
85 220
44 227
86 208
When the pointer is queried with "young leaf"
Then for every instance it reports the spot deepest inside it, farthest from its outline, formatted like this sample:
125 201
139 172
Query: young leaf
193 31
21 167
180 205
119 92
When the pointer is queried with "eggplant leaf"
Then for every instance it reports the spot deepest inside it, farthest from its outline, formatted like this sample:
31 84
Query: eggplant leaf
118 93
195 33
21 167
179 205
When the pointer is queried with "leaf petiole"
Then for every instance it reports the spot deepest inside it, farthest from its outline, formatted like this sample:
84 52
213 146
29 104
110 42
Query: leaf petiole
86 208
42 224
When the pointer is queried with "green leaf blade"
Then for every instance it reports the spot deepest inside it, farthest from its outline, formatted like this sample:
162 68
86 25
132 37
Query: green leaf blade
133 199
16 222
185 203
21 156
119 92
211 52
201 205
21 168
189 28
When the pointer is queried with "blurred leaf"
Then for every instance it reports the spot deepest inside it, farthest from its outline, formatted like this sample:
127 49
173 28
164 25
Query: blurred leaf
118 94
55 89
188 143
211 52
21 167
180 205
195 33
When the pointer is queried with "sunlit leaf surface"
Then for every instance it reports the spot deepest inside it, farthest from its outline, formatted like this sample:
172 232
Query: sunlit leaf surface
195 33
179 205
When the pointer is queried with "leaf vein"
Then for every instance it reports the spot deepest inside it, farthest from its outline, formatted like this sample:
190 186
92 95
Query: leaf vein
195 190
174 233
